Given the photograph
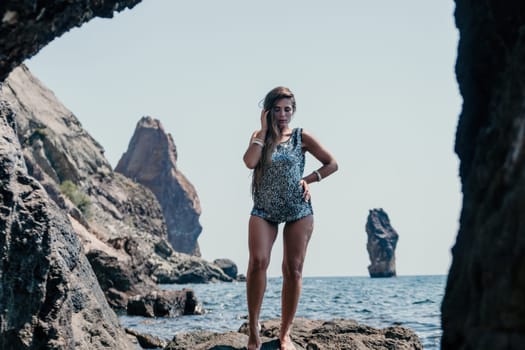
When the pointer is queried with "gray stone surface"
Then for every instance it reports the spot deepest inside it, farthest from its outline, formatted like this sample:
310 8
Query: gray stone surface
484 307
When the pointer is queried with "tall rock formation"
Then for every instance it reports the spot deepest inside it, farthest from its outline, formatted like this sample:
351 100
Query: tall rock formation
484 306
151 160
49 296
381 244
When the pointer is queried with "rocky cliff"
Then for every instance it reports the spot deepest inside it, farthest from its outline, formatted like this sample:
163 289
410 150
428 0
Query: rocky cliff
381 244
484 307
119 221
49 296
151 160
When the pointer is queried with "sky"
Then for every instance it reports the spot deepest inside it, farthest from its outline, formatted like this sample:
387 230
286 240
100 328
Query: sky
374 83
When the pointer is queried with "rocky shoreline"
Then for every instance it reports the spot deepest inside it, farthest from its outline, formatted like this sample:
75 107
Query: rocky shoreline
117 225
50 297
114 224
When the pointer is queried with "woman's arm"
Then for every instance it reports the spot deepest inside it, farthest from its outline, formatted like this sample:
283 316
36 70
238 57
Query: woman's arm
254 152
310 144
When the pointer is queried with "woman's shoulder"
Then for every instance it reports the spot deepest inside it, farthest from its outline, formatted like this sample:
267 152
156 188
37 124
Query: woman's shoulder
307 138
304 133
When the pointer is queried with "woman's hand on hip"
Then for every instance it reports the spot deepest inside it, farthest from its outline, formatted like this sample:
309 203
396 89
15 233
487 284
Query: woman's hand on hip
306 190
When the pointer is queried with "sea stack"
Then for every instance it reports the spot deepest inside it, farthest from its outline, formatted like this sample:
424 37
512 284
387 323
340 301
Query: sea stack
381 245
151 160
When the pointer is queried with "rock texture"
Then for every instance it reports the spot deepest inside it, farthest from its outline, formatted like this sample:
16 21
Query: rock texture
120 222
151 160
27 26
49 296
166 303
484 307
306 334
381 244
147 341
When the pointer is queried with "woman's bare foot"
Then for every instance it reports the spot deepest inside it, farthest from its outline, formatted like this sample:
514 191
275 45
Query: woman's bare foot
254 341
286 343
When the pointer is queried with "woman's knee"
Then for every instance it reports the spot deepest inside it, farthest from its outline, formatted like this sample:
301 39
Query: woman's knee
293 270
258 263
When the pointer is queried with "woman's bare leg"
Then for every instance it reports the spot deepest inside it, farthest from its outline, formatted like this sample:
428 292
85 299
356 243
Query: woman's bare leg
296 236
261 236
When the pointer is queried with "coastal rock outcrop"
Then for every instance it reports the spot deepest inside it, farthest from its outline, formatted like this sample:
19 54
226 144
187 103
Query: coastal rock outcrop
120 222
27 26
381 244
49 295
484 307
151 160
306 334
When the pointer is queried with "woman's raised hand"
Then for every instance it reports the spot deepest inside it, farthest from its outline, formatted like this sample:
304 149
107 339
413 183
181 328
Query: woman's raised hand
264 120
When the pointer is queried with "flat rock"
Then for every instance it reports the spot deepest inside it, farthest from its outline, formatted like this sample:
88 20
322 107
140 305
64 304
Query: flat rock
306 334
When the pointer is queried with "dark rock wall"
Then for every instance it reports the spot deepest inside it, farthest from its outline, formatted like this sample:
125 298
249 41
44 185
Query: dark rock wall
27 26
49 296
484 307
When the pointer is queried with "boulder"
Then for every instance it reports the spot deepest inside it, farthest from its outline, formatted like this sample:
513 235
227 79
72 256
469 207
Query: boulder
146 341
49 295
381 244
228 266
306 334
183 269
151 160
165 304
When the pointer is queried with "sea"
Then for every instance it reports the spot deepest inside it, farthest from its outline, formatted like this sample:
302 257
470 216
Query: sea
410 301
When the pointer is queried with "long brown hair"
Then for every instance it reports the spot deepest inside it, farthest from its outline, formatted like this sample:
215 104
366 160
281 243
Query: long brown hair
273 135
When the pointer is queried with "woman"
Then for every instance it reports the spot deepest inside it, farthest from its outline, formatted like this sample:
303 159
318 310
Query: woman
281 195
